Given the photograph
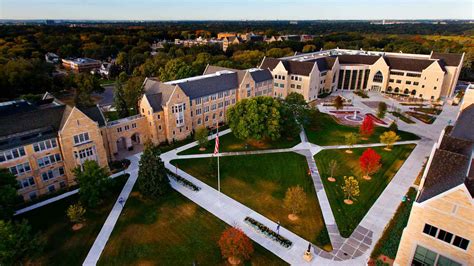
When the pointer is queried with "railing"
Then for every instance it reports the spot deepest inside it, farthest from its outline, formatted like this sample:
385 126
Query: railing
123 120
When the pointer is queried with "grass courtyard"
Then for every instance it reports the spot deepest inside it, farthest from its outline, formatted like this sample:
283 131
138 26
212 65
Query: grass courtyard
229 143
172 231
348 216
260 182
332 133
63 245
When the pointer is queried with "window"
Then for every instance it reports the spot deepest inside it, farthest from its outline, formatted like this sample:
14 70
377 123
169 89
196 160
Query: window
51 189
424 256
445 236
248 92
275 84
206 109
226 103
220 105
198 111
213 107
233 101
391 80
220 95
84 153
213 97
205 99
298 87
397 73
20 168
430 230
226 93
62 184
378 77
416 75
33 195
282 85
198 101
199 121
45 145
26 182
207 118
416 83
81 138
399 81
292 86
13 154
119 129
408 82
127 127
48 160
460 242
434 88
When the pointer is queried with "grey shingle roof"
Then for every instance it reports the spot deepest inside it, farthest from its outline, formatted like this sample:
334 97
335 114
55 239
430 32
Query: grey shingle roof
94 113
449 59
408 64
357 59
261 75
210 69
209 85
322 63
30 126
464 126
447 170
293 67
155 101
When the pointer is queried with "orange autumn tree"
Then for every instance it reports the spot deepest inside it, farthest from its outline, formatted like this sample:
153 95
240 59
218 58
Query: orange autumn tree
235 245
367 128
369 163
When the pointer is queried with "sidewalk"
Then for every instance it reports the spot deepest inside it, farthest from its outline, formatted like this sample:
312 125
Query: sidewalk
106 230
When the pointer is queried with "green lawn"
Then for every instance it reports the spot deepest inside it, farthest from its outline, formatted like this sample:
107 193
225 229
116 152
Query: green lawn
64 246
260 182
229 143
173 231
349 216
332 133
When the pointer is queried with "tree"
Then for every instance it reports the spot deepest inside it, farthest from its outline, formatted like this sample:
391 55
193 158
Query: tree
235 245
18 243
289 127
332 168
133 90
367 127
75 213
393 127
8 194
312 119
351 140
338 103
294 98
350 189
201 137
255 118
294 201
176 69
152 177
309 48
382 110
93 182
85 85
389 138
369 162
119 100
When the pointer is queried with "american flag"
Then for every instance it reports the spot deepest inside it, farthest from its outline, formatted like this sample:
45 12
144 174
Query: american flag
216 148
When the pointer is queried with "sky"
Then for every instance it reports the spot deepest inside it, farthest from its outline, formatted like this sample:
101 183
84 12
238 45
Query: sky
236 9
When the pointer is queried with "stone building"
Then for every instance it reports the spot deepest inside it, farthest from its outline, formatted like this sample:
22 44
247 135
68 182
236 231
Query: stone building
440 229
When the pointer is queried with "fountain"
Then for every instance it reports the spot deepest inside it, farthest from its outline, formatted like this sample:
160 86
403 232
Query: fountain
354 117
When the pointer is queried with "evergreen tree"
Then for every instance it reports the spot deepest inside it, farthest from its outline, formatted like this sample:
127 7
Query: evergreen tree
8 195
119 100
152 177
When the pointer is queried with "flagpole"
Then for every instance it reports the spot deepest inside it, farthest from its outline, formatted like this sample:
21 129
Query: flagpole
218 172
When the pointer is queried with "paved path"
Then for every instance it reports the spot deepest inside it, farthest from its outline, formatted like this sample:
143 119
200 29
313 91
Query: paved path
104 234
54 199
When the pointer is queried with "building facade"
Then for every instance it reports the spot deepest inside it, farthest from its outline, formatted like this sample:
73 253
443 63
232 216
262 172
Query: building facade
440 230
429 77
81 64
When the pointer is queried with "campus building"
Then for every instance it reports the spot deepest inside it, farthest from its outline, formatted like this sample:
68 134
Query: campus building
42 143
440 229
81 64
428 77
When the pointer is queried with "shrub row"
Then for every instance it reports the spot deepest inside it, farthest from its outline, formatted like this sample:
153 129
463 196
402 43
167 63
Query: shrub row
268 232
183 181
361 94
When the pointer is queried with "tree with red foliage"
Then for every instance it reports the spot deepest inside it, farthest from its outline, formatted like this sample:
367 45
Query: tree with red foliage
235 245
369 162
367 127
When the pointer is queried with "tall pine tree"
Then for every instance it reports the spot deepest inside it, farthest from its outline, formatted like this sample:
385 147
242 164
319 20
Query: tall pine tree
152 177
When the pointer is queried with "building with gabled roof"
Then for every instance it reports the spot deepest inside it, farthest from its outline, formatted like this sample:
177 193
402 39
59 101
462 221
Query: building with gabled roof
440 230
428 77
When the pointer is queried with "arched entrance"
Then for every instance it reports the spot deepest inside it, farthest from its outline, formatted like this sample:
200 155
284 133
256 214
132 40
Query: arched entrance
121 144
136 138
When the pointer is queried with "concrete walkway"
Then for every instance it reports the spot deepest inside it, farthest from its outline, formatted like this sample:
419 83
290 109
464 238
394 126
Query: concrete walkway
104 234
54 199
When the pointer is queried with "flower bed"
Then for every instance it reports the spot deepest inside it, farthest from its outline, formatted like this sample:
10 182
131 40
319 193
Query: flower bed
427 119
344 112
362 94
261 228
403 118
183 181
376 119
